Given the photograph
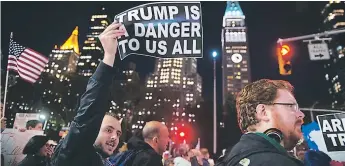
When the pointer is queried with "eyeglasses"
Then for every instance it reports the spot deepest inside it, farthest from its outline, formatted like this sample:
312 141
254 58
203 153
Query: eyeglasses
293 106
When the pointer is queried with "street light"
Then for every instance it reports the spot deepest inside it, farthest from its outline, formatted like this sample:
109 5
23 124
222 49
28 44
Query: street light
214 55
43 117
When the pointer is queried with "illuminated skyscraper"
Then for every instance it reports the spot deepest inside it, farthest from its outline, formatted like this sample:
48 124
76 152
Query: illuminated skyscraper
334 18
177 75
170 89
59 95
92 51
235 57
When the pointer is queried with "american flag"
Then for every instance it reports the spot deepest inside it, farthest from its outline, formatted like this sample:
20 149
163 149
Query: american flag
28 63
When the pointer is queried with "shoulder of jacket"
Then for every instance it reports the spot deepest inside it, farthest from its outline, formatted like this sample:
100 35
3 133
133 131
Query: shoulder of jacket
270 158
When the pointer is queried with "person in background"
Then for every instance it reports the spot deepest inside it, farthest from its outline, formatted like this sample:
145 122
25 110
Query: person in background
183 157
205 156
145 148
34 125
301 149
169 162
37 151
196 158
166 156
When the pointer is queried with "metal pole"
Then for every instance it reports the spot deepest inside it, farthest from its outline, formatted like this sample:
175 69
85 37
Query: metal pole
311 111
312 115
6 83
316 35
214 109
321 110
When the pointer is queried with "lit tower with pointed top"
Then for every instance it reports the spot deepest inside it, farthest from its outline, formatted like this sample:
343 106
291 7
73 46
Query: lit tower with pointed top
59 95
92 51
235 55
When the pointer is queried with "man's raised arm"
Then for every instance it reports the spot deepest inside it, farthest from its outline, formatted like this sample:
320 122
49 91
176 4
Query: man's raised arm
93 105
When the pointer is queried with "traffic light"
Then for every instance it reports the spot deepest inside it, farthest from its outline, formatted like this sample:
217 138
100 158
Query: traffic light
284 53
182 134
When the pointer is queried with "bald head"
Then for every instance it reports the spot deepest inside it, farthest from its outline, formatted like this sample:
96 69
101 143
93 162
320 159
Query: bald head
156 135
152 129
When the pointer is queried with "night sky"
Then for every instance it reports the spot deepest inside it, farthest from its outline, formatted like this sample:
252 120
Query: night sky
41 25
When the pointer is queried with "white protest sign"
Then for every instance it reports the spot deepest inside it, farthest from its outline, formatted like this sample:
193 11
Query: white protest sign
22 118
332 127
162 30
314 136
318 51
13 143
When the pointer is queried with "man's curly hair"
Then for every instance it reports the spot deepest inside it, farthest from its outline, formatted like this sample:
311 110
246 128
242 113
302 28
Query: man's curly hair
263 91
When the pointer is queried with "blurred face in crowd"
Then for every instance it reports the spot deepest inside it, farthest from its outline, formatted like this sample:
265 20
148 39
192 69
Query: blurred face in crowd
38 127
205 153
301 149
109 135
46 150
285 115
165 156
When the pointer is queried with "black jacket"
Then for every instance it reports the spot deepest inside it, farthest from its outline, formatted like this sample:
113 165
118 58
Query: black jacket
77 147
147 155
34 160
258 150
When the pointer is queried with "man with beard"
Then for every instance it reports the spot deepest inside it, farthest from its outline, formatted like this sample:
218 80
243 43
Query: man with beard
82 146
271 120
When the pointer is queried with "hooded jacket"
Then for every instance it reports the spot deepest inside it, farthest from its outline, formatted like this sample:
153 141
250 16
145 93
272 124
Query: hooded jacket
257 149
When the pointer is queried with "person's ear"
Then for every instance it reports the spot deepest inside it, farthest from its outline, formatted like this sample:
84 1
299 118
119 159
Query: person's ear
155 139
262 112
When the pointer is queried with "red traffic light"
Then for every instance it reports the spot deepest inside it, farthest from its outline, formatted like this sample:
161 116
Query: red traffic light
182 134
284 50
284 53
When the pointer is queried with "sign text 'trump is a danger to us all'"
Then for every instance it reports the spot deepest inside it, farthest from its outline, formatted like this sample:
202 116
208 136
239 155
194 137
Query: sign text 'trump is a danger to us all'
162 30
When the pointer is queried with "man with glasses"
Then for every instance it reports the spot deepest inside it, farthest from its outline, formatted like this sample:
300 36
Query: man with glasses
269 116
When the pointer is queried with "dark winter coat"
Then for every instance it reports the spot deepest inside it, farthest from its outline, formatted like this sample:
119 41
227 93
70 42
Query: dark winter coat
34 160
139 153
77 147
257 149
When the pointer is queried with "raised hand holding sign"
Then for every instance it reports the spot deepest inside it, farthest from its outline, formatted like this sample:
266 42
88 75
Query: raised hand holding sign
162 30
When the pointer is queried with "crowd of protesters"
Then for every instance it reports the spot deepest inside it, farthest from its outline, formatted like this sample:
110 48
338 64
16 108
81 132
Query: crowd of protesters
268 115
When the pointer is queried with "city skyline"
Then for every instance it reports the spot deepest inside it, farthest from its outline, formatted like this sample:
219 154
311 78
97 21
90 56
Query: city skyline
304 87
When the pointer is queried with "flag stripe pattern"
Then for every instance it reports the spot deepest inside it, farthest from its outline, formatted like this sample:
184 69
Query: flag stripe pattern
28 63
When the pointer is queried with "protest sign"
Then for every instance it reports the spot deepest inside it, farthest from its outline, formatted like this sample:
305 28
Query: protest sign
22 118
13 143
162 30
313 135
333 131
